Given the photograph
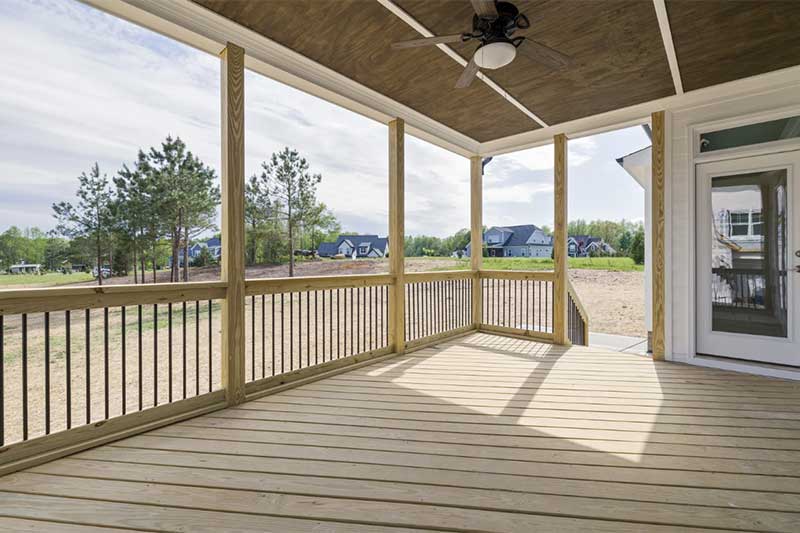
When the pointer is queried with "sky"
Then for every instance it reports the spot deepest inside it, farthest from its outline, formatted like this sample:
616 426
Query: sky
80 86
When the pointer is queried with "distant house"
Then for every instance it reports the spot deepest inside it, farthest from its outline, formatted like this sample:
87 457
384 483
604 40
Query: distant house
355 246
25 268
516 241
213 244
586 246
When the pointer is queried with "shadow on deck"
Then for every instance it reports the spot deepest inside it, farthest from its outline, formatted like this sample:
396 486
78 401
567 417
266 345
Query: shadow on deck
479 433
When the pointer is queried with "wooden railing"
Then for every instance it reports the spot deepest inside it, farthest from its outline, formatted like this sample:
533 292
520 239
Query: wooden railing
73 361
438 304
299 323
82 366
577 318
517 302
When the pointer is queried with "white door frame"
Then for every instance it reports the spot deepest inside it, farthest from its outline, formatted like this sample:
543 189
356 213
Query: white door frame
764 349
691 147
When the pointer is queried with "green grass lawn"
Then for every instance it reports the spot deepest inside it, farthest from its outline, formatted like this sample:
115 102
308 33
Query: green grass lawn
616 264
9 281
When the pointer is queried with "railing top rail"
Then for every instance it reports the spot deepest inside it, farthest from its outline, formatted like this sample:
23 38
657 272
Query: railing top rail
541 275
40 300
257 287
574 295
438 275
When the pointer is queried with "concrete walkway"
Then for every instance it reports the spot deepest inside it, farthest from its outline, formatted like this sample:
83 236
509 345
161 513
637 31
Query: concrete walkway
618 343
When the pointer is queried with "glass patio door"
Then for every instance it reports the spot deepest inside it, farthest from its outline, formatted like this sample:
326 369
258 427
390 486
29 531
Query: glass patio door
748 252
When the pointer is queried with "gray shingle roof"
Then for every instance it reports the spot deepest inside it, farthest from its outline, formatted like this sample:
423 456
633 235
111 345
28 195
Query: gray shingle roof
327 249
520 234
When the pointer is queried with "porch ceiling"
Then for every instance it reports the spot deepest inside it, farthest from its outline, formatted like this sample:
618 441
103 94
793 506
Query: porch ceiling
619 59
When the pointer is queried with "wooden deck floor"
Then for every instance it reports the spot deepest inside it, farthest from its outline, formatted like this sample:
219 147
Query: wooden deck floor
480 433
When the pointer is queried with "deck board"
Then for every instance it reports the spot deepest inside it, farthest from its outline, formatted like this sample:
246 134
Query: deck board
479 433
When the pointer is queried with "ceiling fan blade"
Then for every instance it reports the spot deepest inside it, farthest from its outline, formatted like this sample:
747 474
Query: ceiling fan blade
442 39
485 8
470 71
544 54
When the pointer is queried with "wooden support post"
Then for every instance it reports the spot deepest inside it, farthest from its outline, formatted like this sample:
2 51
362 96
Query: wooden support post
658 225
476 235
560 257
397 334
233 341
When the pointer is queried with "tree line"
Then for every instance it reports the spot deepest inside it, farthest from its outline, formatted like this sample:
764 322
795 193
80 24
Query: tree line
151 211
625 236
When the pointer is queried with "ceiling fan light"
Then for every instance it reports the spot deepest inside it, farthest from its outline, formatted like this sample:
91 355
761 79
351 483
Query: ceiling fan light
495 55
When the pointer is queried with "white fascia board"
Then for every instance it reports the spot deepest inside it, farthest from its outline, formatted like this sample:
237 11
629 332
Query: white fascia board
640 113
205 30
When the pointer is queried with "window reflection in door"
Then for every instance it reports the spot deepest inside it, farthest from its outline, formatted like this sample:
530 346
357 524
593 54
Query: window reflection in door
749 253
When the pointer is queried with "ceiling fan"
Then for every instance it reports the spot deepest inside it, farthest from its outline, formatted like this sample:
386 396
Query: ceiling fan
494 25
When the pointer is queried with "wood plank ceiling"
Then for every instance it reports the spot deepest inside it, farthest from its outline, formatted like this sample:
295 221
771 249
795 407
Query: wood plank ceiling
616 46
353 37
717 42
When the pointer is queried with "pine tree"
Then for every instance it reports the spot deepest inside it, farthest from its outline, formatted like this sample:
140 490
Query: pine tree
294 189
189 197
91 218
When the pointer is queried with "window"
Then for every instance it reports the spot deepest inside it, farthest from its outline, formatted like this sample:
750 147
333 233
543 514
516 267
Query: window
773 130
756 224
740 224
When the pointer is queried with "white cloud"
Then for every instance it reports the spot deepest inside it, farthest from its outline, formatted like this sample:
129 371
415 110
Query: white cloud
80 86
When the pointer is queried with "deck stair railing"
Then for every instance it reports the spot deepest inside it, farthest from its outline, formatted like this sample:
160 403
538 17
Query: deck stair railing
577 318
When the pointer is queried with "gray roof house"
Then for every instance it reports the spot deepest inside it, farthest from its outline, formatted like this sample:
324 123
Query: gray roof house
355 246
586 245
526 240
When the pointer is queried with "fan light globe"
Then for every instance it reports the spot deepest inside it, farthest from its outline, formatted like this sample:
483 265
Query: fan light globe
495 55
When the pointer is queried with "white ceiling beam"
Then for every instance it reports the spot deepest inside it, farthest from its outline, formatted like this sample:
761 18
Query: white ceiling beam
425 32
669 45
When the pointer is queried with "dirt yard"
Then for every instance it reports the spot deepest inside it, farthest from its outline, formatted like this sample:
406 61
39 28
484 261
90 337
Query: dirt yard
613 300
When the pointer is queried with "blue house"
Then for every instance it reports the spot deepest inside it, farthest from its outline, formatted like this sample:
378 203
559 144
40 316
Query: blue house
213 244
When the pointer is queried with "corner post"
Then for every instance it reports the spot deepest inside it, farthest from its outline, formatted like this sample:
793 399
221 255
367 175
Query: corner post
233 341
560 258
657 184
476 236
397 334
